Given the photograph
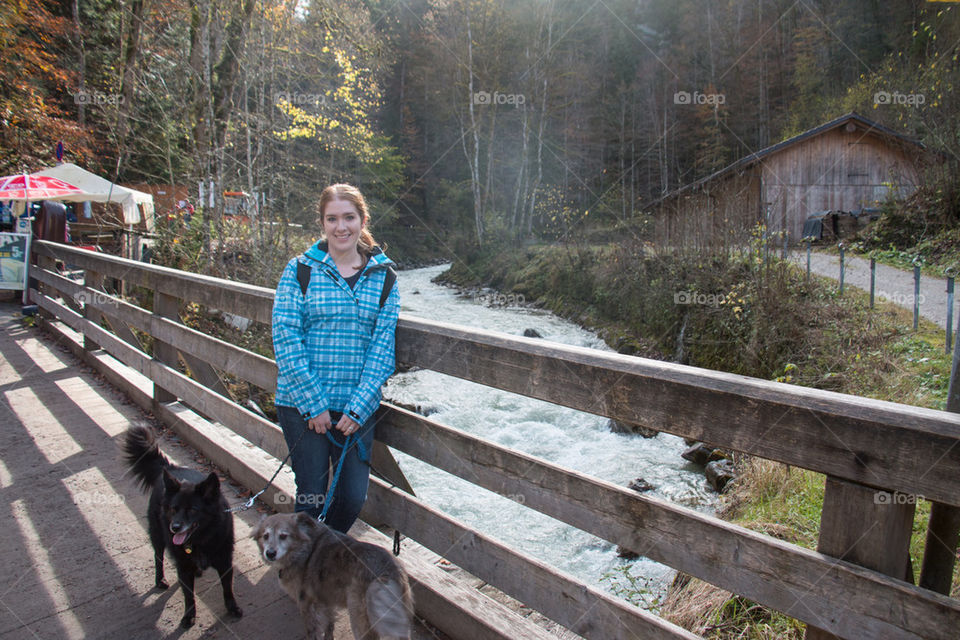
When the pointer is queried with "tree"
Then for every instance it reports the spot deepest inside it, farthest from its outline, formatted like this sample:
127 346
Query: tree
36 93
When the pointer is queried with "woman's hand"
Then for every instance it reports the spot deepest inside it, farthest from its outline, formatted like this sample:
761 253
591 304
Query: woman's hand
347 425
320 423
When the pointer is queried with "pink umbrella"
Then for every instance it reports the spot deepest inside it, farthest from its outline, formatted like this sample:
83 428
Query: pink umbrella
33 187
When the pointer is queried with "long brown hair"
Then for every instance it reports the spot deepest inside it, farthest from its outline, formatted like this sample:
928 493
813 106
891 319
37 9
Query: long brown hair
351 194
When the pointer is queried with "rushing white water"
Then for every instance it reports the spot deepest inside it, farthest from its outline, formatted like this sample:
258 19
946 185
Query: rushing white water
576 440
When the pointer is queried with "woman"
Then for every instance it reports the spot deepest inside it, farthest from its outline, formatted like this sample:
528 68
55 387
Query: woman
333 338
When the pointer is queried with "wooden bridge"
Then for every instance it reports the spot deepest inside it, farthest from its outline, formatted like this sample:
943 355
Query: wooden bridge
852 587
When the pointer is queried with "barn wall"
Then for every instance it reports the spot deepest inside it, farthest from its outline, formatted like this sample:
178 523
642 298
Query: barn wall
719 216
838 169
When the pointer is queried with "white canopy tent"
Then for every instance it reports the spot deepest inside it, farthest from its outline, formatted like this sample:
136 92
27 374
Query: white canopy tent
102 190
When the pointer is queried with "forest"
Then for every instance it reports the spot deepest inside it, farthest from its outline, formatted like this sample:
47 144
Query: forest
522 140
464 121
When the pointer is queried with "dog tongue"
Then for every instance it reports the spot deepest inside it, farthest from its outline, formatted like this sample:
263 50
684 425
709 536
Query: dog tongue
179 537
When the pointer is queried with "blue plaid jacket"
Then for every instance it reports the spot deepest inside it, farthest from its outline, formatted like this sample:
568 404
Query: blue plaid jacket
335 346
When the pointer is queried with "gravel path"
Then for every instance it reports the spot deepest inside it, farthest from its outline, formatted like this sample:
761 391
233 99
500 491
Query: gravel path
892 284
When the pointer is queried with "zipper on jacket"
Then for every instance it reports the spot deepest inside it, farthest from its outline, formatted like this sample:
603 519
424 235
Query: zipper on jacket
342 283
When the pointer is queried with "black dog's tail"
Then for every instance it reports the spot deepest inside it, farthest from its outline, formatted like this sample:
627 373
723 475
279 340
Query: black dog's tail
142 454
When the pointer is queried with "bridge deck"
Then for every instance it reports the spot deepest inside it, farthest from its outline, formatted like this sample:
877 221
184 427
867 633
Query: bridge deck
77 562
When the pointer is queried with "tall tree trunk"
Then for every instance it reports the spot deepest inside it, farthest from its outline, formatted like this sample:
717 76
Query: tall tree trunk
488 182
226 73
623 153
473 161
519 192
131 54
201 106
532 203
82 74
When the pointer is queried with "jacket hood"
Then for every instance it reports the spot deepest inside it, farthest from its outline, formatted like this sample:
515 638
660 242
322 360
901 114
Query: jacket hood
318 253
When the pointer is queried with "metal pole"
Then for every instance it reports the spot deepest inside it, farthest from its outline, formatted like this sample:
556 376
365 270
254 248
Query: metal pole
949 313
841 267
766 241
916 295
873 279
809 242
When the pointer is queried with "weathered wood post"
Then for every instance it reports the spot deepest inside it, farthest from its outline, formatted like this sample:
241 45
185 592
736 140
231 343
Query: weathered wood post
165 306
91 280
866 527
943 530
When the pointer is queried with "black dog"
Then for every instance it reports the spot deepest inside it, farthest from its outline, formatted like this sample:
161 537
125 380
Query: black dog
187 515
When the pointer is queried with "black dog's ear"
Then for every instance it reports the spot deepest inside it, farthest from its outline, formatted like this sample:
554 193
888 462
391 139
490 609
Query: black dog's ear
210 487
171 484
306 523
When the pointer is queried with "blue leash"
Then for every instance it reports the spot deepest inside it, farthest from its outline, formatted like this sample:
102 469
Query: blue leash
361 451
351 440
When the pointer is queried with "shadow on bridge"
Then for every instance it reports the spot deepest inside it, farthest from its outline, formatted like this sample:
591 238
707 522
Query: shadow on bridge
77 556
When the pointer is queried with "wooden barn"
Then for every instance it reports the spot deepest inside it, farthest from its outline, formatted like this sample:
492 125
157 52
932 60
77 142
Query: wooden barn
846 164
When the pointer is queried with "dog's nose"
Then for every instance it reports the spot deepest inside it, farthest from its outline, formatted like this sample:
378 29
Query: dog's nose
175 527
271 554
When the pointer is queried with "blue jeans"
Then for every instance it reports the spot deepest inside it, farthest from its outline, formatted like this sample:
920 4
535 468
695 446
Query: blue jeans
311 461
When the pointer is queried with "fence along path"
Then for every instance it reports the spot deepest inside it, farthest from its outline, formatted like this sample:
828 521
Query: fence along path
861 445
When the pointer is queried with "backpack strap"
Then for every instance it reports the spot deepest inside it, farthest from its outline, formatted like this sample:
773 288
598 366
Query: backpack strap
303 277
388 282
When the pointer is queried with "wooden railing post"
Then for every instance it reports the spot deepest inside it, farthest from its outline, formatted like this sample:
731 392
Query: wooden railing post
40 262
943 530
168 307
866 527
91 280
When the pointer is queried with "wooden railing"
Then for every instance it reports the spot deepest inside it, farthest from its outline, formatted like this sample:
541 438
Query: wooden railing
877 456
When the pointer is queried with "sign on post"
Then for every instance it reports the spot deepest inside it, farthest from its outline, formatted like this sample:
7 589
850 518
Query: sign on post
14 256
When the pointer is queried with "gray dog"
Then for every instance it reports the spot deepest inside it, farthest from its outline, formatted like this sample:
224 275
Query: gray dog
323 569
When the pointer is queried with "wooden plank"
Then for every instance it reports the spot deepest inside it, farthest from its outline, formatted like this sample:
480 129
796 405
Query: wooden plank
167 307
867 527
235 297
385 465
91 280
203 373
584 610
235 360
882 444
246 423
122 330
943 528
838 596
940 551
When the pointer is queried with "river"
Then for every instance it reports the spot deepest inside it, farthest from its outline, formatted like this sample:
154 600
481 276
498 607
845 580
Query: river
575 440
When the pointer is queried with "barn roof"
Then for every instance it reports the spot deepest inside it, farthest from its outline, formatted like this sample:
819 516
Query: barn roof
869 126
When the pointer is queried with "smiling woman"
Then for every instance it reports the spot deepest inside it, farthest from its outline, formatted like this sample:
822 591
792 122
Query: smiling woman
334 318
